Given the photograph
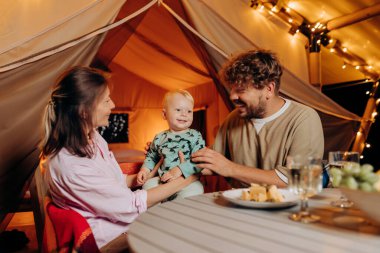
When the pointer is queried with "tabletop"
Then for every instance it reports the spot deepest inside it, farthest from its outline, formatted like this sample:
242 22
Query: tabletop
209 223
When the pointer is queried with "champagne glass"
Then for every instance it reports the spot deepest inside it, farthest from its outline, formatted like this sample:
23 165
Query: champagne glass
305 180
339 160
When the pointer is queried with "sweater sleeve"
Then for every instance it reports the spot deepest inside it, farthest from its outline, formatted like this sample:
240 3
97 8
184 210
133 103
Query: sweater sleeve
188 167
84 184
152 157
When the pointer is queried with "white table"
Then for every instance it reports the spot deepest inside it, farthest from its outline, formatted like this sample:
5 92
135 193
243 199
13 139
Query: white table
208 223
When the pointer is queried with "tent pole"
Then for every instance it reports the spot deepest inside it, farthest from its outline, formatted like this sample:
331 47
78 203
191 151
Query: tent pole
352 18
366 122
315 72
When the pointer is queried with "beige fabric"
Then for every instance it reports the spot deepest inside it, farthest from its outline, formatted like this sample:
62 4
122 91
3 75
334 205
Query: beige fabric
298 131
44 25
24 92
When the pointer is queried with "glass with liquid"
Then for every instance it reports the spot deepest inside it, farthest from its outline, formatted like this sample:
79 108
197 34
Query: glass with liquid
339 160
304 180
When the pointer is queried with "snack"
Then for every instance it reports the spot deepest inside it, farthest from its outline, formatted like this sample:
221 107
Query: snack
262 193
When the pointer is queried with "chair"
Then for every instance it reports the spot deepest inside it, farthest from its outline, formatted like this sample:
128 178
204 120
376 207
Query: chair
66 231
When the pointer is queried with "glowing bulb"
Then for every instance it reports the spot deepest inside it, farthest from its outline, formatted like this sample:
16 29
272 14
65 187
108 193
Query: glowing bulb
298 30
290 20
357 67
331 41
367 92
374 114
358 133
378 101
344 66
367 145
332 50
362 156
318 41
313 29
345 49
287 9
370 67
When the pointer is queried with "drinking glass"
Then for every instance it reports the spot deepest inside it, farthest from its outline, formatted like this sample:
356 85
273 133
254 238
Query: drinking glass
338 160
305 180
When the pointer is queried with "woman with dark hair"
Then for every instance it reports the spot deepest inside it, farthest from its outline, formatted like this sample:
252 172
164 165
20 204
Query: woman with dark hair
81 172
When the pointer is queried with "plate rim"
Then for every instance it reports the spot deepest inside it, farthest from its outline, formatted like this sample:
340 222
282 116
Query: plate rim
260 205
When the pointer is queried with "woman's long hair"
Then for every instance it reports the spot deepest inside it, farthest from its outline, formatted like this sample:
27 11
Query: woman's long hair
69 113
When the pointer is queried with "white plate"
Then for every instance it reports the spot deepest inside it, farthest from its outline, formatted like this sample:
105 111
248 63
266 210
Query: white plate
234 196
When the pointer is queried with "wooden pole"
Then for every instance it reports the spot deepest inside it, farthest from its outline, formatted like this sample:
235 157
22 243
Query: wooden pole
366 122
352 18
315 72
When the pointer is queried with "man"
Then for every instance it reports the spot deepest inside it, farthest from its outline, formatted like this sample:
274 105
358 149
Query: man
254 141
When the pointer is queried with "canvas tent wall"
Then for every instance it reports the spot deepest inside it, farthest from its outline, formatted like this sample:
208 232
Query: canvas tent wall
153 56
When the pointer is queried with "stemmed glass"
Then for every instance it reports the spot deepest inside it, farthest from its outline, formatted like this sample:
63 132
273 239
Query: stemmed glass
339 160
305 180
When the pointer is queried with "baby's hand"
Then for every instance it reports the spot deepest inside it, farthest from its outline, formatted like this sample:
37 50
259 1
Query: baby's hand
171 175
142 176
207 172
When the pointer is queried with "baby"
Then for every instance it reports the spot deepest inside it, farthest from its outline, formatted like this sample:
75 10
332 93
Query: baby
178 111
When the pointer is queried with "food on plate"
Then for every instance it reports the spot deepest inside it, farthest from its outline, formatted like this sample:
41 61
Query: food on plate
262 193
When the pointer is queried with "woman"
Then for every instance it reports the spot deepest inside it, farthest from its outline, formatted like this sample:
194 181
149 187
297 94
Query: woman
81 172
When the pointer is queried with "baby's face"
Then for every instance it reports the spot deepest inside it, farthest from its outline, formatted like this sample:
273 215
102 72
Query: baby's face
179 113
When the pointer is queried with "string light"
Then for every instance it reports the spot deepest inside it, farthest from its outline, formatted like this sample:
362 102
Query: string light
367 92
367 145
378 101
374 114
285 11
362 156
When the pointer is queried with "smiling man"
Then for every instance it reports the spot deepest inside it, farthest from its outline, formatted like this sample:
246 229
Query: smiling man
254 141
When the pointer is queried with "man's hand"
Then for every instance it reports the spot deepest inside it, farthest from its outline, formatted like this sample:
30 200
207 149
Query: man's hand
208 159
142 176
171 175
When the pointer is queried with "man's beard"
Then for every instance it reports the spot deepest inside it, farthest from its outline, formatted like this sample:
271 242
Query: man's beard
256 112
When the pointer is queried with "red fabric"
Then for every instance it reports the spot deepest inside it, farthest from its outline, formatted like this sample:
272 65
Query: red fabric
214 183
130 168
72 232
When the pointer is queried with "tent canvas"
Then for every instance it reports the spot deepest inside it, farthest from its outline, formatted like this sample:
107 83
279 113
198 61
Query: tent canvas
149 55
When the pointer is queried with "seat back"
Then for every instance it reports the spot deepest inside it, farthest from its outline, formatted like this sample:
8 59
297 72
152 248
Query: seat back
66 231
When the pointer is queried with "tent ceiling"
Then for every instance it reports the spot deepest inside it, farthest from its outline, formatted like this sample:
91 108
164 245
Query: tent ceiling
362 38
158 30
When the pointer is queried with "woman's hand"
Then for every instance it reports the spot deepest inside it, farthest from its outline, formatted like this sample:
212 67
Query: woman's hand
142 176
171 174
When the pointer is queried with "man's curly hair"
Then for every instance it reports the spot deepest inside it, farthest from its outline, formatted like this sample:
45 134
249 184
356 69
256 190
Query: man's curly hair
255 67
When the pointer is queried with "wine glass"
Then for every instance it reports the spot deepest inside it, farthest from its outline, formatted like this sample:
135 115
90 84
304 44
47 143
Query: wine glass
339 160
305 180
